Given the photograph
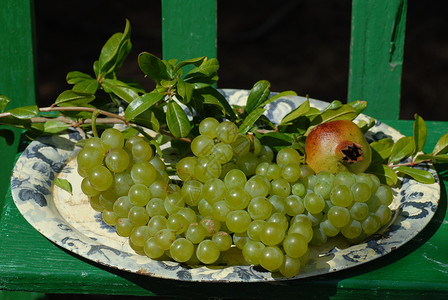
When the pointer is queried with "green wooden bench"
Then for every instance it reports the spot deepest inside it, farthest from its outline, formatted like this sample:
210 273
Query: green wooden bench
29 262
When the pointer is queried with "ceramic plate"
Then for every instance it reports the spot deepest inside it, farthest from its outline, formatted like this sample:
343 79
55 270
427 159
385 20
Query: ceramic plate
69 221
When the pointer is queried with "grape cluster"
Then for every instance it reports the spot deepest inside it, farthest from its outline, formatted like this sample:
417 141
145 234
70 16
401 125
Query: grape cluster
234 194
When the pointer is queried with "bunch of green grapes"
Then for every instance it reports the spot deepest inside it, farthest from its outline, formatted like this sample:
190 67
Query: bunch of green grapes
234 194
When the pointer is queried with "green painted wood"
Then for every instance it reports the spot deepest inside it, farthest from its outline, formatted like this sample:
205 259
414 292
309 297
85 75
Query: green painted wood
189 29
376 55
17 69
29 262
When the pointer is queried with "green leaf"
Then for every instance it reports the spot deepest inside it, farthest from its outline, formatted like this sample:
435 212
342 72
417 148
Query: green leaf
420 175
120 89
89 86
141 104
213 96
401 149
278 96
439 158
250 120
153 67
207 68
258 95
358 105
365 126
7 135
381 149
177 120
148 119
193 61
419 135
75 76
441 146
25 112
63 184
4 102
335 104
55 126
297 112
77 98
185 90
277 140
344 112
384 173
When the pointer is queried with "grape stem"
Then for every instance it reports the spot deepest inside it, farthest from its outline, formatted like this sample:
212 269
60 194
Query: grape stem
411 163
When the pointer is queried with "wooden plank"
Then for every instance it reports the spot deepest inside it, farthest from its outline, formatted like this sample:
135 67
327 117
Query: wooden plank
376 55
189 29
17 69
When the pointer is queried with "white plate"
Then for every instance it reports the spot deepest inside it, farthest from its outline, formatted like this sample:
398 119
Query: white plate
70 222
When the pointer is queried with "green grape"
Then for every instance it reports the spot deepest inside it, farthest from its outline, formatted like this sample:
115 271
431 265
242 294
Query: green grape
205 209
139 235
319 237
298 189
262 169
207 252
376 182
295 245
272 234
278 203
384 214
240 239
89 157
359 211
109 217
290 266
141 150
361 191
210 225
255 145
189 214
266 154
195 233
181 250
352 230
341 195
223 240
124 227
139 194
159 188
325 176
185 168
314 203
252 252
315 218
106 203
371 224
280 187
280 219
345 178
129 142
273 172
157 223
122 183
155 207
303 229
384 194
373 203
367 179
291 172
144 172
164 238
238 220
247 163
139 250
309 182
288 155
208 127
220 210
122 206
237 198
207 167
213 190
173 202
177 223
94 202
225 168
254 229
227 132
202 145
338 216
305 171
301 219
328 228
88 189
235 178
95 142
101 178
259 208
257 186
138 215
192 192
294 205
241 145
152 250
222 152
322 188
271 258
158 163
112 138
83 172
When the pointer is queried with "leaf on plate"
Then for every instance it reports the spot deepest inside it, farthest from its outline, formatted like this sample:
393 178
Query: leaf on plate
55 126
384 173
25 112
358 105
258 95
141 104
64 184
441 146
153 67
297 112
381 149
420 175
278 96
419 135
120 89
344 112
70 97
177 120
439 158
401 149
4 102
75 76
250 120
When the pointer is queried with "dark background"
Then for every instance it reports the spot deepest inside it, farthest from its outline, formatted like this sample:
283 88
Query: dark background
295 45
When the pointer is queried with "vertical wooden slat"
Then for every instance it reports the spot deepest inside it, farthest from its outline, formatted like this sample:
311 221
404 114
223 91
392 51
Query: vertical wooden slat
376 55
17 69
189 29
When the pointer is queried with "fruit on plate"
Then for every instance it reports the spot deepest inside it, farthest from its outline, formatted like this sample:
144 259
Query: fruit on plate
337 146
